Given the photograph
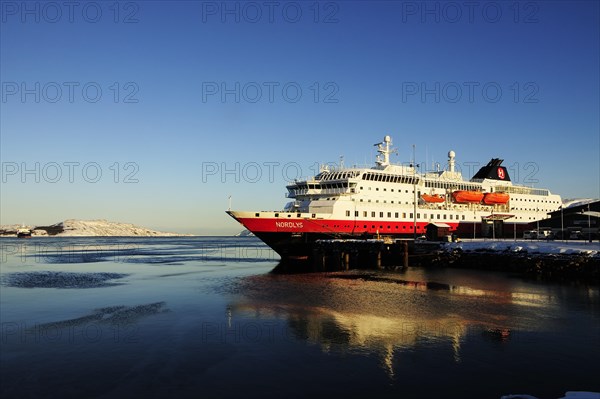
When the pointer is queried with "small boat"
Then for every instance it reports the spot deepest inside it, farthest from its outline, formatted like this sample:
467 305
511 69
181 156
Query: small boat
433 198
466 196
495 198
23 232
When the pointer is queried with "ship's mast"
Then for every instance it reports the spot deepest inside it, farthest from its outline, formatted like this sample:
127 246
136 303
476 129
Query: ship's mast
384 149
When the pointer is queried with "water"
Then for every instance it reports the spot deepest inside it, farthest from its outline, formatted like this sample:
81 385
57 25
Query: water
204 317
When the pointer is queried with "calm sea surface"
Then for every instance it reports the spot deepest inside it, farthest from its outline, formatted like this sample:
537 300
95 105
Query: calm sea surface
205 317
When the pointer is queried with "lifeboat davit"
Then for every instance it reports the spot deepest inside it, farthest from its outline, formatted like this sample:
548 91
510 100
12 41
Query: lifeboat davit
433 198
465 196
495 198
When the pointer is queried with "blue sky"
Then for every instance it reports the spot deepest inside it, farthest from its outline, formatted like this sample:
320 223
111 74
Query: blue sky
156 112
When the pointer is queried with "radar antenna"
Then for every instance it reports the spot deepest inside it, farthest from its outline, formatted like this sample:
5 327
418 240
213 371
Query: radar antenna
384 149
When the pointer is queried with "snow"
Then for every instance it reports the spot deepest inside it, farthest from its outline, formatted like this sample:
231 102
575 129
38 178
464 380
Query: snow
568 395
244 233
81 228
94 228
524 246
569 203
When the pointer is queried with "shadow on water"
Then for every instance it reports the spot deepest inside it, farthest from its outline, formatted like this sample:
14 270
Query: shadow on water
115 315
51 279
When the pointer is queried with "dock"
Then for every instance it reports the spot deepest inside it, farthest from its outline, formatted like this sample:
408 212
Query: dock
535 258
347 254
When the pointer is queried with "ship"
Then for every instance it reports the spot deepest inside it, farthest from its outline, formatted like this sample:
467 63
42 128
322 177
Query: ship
397 201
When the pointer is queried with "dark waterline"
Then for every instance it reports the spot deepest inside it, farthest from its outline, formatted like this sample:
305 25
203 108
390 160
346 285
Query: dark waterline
190 317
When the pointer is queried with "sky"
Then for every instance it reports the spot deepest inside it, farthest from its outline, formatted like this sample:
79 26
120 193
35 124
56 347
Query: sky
163 113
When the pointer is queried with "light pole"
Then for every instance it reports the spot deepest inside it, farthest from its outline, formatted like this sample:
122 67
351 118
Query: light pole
562 225
537 216
589 225
414 196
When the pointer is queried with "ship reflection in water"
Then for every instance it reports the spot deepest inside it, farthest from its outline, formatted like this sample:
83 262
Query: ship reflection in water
390 314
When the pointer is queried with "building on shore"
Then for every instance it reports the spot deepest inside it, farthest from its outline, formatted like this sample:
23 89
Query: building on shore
574 222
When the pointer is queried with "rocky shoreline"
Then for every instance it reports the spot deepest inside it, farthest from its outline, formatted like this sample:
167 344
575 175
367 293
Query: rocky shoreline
543 265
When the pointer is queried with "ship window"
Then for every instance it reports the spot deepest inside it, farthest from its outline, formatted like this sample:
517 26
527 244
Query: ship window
444 216
389 214
372 214
313 215
403 214
463 217
385 189
396 215
438 216
380 214
365 213
418 216
411 215
347 213
392 190
377 189
451 217
355 213
276 215
298 215
257 215
289 215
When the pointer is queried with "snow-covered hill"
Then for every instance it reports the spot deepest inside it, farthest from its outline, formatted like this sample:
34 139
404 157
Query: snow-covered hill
244 233
89 228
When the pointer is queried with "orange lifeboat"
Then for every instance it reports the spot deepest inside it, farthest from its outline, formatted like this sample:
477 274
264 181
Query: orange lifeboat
495 198
465 196
433 198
